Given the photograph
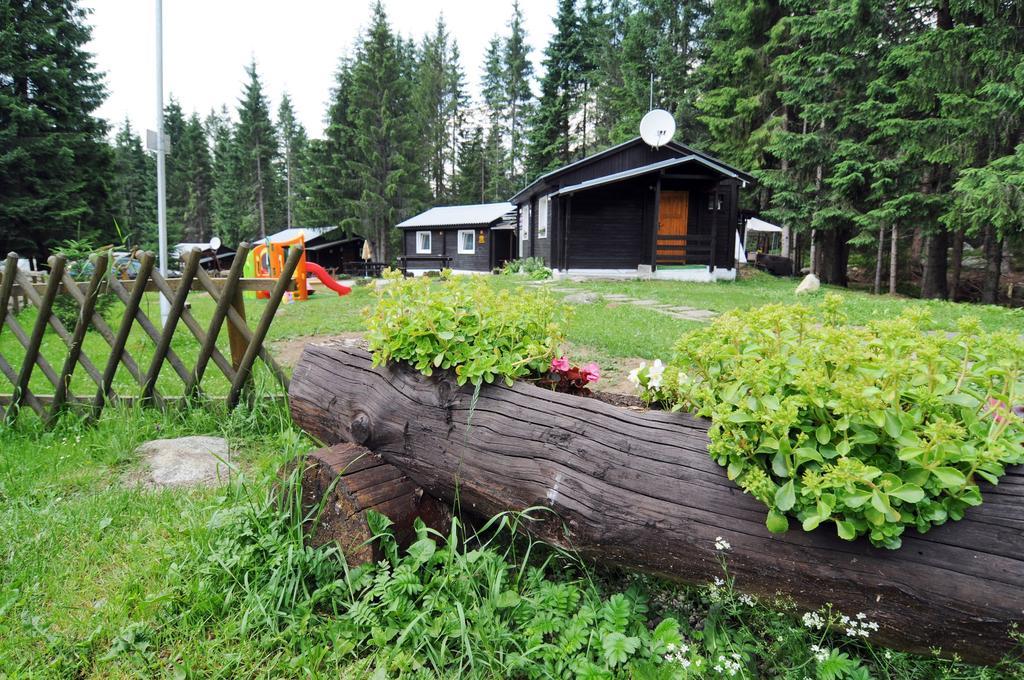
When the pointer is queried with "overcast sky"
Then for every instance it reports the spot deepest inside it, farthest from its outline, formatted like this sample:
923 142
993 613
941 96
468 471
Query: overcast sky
296 43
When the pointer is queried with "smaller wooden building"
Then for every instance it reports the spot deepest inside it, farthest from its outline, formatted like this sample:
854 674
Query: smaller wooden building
633 209
464 238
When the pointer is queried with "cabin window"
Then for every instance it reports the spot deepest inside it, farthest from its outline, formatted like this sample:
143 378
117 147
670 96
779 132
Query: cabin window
716 201
467 244
543 216
524 223
423 242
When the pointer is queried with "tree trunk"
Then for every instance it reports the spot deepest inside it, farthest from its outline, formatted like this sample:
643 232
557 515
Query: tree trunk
638 489
893 259
341 483
815 264
956 265
878 261
834 253
993 248
259 198
933 279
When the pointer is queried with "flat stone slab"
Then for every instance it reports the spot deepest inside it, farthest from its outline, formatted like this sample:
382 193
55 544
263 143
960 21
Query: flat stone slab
582 298
184 462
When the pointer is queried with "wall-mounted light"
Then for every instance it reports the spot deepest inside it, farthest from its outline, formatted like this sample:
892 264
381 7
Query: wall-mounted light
480 239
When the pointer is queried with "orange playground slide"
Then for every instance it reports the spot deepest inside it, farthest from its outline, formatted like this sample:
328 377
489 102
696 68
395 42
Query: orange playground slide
325 278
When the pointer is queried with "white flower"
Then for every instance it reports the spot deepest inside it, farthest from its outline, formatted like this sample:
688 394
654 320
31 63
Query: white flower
654 374
747 600
634 375
721 544
813 621
820 653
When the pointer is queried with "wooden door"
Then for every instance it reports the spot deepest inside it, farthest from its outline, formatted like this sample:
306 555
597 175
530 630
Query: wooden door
673 221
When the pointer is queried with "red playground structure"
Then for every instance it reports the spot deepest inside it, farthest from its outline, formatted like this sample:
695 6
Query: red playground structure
268 262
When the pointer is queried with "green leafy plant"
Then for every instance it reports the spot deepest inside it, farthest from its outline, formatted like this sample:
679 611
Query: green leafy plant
80 267
466 325
872 429
531 267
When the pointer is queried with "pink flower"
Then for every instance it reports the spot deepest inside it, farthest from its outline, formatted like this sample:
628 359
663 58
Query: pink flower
591 372
998 409
560 364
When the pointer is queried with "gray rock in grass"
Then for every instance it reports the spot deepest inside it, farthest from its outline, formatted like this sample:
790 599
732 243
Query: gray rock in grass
184 462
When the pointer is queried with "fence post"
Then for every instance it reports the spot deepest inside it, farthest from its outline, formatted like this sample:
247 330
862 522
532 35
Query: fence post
235 338
38 331
177 307
131 308
220 311
88 305
242 374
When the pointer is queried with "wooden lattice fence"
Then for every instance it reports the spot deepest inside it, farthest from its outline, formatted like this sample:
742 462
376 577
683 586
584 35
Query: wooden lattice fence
246 345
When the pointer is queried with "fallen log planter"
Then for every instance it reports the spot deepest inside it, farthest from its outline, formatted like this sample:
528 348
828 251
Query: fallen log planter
341 483
637 488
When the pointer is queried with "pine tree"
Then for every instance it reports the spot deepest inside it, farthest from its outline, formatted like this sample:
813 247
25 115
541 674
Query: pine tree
176 170
55 163
660 39
257 144
594 37
229 197
385 152
327 185
195 165
133 188
518 74
440 103
493 88
293 152
550 136
945 101
471 178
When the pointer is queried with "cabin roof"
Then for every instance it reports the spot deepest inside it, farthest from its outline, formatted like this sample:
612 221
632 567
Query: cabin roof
308 233
643 170
704 158
455 215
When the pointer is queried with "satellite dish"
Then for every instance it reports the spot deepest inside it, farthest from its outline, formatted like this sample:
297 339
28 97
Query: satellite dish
657 127
214 243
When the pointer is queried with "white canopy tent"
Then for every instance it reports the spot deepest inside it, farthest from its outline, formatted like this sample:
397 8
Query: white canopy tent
755 224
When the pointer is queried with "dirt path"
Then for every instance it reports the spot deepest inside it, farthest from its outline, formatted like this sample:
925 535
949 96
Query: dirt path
287 352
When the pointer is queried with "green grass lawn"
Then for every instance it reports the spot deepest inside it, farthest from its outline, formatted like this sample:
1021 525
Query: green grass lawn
101 579
323 314
606 331
759 288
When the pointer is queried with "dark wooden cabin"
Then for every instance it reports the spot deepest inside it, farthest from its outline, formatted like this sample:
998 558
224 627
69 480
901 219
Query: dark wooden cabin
672 209
463 238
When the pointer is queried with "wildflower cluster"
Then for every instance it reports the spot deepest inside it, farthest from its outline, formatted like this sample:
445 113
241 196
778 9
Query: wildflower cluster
729 665
813 621
682 656
858 626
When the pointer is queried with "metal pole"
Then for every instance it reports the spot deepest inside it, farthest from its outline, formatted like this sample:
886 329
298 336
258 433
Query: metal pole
161 175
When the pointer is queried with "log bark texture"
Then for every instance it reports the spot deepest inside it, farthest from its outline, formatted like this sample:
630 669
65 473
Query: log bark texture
341 483
638 489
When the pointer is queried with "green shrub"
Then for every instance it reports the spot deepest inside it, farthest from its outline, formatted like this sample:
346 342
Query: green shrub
871 428
80 267
532 267
464 324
